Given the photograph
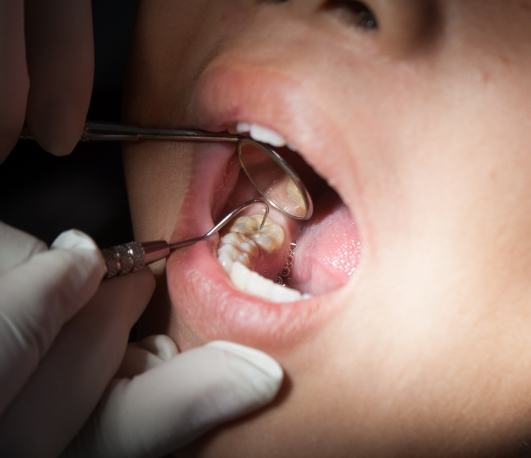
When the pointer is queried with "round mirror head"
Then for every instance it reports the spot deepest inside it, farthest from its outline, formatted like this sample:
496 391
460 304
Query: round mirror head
275 180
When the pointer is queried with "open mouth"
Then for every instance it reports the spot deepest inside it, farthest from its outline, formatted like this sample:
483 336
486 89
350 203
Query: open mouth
260 284
280 258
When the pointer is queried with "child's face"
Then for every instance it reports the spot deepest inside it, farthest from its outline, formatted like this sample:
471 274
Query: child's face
423 128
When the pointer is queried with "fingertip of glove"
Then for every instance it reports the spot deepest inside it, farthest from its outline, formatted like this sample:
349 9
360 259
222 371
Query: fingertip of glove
180 399
260 360
74 239
160 345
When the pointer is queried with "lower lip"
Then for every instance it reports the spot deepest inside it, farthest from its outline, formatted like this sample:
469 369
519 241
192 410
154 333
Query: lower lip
209 307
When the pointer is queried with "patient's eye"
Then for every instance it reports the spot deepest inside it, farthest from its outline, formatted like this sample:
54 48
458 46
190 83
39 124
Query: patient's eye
353 12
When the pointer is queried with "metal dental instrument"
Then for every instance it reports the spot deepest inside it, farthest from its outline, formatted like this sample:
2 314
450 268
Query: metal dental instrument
133 256
270 174
278 184
102 131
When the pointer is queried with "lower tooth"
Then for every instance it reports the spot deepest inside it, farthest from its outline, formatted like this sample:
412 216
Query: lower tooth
238 249
244 259
246 238
264 242
252 283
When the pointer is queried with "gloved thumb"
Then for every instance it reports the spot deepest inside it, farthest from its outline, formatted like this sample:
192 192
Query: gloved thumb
40 294
168 406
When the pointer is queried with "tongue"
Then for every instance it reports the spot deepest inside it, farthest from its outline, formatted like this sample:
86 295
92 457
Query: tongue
327 252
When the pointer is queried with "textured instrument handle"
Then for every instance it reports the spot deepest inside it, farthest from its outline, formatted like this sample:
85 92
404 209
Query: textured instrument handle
124 259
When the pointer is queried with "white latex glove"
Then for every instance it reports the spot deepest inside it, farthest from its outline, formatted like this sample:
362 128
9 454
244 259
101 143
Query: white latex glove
174 398
47 67
62 339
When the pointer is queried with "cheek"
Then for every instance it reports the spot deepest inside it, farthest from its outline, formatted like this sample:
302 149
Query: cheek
445 296
448 189
157 179
425 351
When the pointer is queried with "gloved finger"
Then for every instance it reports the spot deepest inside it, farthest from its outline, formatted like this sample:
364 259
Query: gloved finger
17 247
163 409
71 379
61 66
14 82
147 354
38 298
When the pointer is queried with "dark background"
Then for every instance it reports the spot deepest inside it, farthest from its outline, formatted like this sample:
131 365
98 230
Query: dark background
45 195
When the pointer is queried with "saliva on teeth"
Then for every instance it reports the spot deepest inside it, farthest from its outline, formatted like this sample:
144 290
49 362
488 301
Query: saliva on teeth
239 249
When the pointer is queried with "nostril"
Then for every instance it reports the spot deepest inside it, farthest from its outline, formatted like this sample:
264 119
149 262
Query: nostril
353 12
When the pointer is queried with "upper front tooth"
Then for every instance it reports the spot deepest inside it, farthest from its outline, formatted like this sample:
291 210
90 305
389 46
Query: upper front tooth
265 135
262 134
243 128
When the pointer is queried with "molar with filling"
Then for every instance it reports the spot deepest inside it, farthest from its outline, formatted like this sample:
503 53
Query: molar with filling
241 247
246 240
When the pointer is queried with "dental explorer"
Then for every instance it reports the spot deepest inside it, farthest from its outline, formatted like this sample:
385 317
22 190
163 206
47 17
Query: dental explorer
133 256
274 179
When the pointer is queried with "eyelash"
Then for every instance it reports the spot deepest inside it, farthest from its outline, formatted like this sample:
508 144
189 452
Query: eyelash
354 12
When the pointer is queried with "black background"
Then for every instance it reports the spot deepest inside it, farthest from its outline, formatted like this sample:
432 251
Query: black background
45 195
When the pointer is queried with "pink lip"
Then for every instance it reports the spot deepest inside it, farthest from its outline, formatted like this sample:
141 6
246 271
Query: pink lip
207 305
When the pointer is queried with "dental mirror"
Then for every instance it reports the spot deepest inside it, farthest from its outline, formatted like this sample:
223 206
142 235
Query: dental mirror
275 180
271 175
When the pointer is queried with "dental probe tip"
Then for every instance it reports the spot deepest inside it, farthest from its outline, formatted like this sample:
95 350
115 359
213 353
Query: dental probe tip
134 256
222 223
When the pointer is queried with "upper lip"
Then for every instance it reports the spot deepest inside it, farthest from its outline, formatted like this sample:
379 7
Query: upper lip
225 95
228 94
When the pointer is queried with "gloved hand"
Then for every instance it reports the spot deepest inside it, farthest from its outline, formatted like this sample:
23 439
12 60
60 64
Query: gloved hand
63 374
47 62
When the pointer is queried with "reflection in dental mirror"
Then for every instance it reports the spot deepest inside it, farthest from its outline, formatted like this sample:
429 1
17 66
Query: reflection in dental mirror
275 180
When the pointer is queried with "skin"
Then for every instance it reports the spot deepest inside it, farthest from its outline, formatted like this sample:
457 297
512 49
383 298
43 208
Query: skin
429 351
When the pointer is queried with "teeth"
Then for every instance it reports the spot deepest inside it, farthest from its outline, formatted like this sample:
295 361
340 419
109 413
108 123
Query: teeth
243 128
252 283
245 240
265 242
247 224
273 231
246 229
235 239
240 247
261 134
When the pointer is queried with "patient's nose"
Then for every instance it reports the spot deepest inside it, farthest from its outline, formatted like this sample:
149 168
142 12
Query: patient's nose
406 26
402 26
